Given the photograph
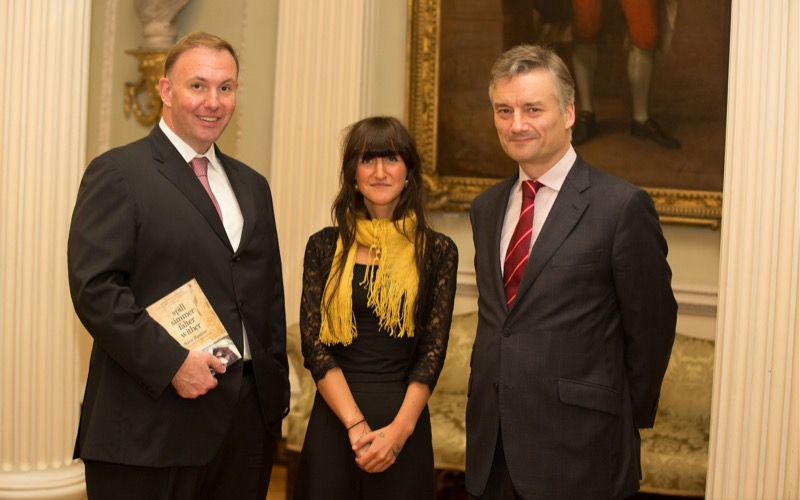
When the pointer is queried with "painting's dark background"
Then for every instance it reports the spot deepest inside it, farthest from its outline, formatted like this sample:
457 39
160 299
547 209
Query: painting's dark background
688 98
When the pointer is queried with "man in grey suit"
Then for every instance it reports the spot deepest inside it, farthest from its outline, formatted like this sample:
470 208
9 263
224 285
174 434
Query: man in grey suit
576 310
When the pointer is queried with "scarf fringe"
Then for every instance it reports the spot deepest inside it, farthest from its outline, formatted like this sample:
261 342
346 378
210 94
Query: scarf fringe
391 279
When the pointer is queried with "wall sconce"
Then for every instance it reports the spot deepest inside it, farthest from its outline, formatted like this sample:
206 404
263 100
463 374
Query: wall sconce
151 69
158 22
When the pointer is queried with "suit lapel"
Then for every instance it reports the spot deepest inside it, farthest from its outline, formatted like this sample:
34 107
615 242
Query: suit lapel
177 171
565 214
498 205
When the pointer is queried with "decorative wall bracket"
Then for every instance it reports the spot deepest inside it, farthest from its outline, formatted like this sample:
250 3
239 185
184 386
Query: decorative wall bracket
158 29
151 69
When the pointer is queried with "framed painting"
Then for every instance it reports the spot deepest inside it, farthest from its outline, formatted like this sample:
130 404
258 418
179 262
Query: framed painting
452 45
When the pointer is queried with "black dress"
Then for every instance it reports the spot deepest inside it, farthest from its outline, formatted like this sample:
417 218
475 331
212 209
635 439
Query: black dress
377 368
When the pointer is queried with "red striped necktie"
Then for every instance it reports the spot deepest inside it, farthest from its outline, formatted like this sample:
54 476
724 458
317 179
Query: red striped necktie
519 247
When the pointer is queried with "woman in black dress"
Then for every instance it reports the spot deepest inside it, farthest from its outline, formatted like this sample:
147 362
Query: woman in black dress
378 291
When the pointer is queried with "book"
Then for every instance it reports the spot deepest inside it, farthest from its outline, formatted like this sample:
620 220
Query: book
186 314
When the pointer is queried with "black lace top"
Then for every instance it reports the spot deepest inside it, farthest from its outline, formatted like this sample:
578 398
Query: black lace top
432 321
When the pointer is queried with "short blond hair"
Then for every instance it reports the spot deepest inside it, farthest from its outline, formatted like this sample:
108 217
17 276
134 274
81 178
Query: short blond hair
198 39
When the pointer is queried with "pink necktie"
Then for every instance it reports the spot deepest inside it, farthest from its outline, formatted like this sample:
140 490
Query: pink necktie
519 247
200 168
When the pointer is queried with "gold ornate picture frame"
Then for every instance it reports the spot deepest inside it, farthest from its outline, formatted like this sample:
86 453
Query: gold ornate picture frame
674 193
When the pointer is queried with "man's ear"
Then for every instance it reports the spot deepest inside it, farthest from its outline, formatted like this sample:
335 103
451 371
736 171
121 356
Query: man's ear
569 115
165 88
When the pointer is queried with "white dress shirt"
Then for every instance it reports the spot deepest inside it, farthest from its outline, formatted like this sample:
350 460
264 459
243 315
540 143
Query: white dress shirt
552 180
232 218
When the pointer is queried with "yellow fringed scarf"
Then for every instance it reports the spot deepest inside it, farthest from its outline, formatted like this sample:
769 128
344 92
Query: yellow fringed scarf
391 280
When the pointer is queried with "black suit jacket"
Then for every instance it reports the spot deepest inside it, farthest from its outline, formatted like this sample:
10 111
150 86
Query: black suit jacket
143 225
575 367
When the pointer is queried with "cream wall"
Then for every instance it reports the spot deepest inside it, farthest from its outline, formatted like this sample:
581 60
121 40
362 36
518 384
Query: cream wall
388 63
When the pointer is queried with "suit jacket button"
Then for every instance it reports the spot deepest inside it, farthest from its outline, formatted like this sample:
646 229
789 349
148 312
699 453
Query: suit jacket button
506 333
496 386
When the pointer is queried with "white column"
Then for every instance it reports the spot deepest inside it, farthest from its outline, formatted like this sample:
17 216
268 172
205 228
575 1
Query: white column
320 89
755 433
43 93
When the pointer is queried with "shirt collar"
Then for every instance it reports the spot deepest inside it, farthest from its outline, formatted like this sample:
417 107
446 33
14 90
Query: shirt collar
554 178
186 151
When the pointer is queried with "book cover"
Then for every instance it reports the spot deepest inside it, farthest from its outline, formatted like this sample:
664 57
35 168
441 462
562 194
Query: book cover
188 316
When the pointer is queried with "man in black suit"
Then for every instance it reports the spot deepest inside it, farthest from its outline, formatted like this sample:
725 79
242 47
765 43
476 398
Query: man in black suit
156 421
571 348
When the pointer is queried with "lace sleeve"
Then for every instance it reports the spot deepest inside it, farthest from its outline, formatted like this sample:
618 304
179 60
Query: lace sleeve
316 267
433 326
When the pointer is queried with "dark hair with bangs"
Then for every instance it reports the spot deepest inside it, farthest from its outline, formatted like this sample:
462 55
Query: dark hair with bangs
380 137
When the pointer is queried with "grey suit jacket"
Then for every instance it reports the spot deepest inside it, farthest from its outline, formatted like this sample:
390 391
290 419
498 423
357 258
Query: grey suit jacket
142 226
569 374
